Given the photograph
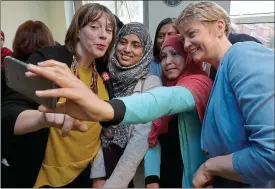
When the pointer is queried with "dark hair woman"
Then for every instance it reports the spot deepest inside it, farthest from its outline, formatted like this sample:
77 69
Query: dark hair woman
164 29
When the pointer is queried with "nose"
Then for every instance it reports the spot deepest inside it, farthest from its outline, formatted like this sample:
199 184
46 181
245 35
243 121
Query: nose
165 37
103 34
187 44
166 62
127 48
169 60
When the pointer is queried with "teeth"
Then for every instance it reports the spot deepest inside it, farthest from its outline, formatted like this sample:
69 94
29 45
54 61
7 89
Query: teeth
194 50
126 57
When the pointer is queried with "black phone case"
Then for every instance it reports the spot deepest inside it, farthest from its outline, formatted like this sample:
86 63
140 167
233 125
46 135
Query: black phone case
15 78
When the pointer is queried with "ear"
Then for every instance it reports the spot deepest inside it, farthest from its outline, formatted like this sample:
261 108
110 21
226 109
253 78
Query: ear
220 24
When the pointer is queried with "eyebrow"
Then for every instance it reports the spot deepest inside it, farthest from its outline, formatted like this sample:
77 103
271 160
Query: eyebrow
136 42
188 30
123 39
191 29
109 24
94 21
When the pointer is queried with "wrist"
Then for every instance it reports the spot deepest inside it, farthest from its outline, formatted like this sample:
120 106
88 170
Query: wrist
108 113
152 185
210 167
98 109
99 178
152 179
42 121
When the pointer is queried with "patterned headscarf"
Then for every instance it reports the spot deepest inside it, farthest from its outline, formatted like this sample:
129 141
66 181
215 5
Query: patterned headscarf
126 78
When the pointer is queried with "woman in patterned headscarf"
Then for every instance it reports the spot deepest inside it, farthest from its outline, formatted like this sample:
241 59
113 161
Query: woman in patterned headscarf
125 147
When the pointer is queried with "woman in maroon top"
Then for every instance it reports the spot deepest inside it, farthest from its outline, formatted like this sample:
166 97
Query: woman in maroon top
4 50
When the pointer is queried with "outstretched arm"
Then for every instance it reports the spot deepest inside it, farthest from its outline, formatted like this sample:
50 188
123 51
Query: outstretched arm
148 106
138 108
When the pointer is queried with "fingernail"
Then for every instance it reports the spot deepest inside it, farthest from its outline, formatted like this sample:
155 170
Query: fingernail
38 92
30 65
40 63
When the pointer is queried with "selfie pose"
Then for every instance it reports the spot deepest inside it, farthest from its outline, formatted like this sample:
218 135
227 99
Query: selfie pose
238 127
124 147
53 160
178 135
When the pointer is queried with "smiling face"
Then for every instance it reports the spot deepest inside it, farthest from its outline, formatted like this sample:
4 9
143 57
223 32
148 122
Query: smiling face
172 63
96 36
204 40
200 41
129 50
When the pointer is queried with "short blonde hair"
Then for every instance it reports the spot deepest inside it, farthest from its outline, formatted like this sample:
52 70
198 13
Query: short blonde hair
205 12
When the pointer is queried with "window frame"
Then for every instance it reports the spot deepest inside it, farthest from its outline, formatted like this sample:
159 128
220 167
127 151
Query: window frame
253 18
78 4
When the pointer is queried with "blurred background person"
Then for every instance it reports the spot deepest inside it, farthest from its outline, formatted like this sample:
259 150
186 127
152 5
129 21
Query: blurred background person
4 50
45 157
164 29
30 35
24 45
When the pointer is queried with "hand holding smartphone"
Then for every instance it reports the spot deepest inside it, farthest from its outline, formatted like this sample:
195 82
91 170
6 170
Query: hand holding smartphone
15 78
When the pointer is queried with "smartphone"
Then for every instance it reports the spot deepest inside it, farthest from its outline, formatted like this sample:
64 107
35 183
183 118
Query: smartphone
15 78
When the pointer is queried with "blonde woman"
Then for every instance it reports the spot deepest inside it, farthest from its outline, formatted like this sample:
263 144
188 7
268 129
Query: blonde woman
238 129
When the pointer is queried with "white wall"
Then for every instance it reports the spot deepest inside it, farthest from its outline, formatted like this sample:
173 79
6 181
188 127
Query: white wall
69 12
57 20
14 13
158 10
55 15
